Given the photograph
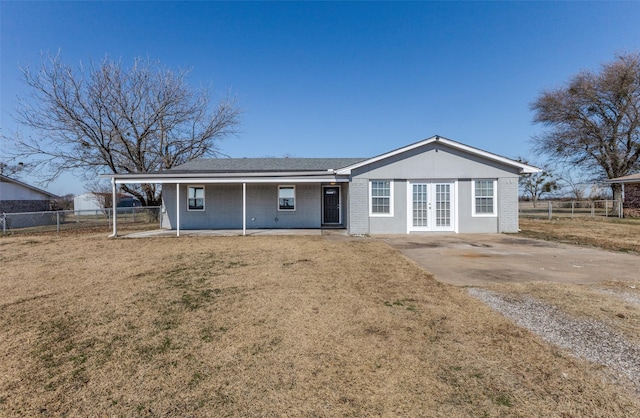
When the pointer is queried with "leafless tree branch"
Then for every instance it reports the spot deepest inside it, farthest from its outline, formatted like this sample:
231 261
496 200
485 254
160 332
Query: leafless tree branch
106 118
594 120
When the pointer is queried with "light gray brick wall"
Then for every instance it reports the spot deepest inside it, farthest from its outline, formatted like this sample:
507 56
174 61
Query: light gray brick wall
508 204
223 207
359 207
262 207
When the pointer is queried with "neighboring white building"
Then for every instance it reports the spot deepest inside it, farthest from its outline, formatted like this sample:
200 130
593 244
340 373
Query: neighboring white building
87 204
94 203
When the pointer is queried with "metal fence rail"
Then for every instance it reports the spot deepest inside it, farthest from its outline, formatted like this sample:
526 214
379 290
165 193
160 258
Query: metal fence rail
63 220
571 209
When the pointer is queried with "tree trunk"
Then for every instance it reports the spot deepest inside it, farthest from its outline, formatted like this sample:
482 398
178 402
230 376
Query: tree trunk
616 188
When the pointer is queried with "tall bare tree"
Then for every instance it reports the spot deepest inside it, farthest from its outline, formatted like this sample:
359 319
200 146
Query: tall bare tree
594 120
105 118
535 185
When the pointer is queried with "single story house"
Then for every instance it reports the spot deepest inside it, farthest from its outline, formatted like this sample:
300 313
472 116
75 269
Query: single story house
19 197
19 201
434 185
630 194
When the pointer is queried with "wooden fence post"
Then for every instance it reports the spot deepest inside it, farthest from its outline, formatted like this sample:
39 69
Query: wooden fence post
620 209
573 204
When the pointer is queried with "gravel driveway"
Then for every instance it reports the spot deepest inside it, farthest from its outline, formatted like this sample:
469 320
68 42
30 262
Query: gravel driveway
481 259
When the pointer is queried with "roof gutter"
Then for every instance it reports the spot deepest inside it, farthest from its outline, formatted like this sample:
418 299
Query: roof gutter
633 178
208 174
225 179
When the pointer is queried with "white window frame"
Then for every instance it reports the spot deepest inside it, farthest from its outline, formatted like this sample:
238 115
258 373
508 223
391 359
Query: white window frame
494 213
196 186
391 204
288 186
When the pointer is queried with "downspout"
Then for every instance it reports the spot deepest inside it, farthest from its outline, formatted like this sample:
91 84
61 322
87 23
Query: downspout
114 207
244 209
621 204
177 209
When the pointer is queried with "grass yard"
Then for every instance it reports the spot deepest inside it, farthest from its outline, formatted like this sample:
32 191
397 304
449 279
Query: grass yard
608 233
266 326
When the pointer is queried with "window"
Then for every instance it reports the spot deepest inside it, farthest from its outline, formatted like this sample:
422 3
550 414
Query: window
195 198
484 198
286 198
381 203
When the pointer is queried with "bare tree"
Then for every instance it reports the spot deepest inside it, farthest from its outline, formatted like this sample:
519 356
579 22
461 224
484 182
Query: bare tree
594 120
8 169
104 118
572 180
535 185
63 202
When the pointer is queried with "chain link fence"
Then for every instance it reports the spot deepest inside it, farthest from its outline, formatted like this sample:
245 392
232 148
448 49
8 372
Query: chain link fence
147 217
549 209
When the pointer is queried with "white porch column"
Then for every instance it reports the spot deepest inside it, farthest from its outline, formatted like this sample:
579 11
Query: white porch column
244 209
177 209
621 204
114 204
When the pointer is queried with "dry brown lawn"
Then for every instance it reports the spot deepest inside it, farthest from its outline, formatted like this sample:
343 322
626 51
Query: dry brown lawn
608 233
266 326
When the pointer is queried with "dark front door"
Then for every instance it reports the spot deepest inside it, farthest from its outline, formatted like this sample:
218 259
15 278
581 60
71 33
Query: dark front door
331 203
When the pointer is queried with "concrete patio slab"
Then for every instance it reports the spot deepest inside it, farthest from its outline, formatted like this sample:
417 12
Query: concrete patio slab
231 232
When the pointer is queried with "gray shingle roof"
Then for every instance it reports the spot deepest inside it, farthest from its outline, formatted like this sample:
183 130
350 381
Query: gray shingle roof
255 165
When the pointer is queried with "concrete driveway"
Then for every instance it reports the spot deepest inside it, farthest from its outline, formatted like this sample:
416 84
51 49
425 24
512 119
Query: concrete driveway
482 259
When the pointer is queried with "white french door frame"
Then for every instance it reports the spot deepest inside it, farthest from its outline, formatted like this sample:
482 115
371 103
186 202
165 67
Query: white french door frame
431 205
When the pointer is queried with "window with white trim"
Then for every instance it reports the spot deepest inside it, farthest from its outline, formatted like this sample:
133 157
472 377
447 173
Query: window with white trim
484 198
286 197
195 198
381 198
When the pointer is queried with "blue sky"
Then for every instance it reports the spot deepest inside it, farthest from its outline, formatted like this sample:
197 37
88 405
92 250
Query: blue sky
336 79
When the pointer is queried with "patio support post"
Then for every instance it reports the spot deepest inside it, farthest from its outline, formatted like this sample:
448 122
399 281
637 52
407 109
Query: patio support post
244 209
177 209
113 207
620 204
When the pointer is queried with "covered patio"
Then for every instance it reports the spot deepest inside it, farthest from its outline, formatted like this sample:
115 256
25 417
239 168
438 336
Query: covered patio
242 194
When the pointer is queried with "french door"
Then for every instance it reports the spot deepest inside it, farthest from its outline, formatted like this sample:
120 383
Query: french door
431 206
